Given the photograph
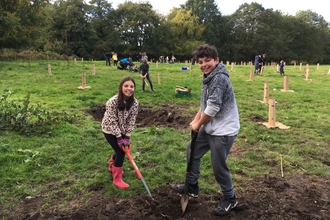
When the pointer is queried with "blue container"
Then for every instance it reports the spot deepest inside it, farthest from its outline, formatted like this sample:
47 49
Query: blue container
184 68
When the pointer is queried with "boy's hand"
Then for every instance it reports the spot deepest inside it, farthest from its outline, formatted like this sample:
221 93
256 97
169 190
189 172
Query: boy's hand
194 127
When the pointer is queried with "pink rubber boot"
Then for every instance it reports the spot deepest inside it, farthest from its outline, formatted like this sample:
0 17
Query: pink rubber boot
117 173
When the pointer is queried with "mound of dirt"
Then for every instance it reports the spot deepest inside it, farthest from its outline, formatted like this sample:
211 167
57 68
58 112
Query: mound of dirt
167 115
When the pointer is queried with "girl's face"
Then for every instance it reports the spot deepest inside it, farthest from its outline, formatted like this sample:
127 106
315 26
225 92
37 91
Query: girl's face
207 64
128 89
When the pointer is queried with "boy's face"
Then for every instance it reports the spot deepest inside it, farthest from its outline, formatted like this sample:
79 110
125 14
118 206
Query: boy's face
207 64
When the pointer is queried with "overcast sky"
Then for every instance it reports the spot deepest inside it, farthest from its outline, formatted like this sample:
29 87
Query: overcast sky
229 7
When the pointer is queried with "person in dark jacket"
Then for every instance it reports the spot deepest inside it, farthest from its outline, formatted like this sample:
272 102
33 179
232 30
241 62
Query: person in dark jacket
282 64
259 62
216 125
108 57
144 73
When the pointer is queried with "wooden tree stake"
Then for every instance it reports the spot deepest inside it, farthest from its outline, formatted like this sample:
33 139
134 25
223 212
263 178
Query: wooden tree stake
282 175
49 70
83 82
307 72
266 93
251 74
93 69
272 123
271 113
158 78
75 61
286 85
262 70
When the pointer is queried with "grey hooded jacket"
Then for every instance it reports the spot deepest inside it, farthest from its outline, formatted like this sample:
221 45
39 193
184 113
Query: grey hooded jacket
218 101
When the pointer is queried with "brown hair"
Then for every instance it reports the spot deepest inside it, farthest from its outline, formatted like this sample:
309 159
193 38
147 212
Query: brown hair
144 61
205 50
129 102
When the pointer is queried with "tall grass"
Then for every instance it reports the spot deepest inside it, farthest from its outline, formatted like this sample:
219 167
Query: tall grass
73 161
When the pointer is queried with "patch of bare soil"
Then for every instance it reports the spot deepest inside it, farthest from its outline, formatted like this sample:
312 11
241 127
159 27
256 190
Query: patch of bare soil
295 197
168 115
268 197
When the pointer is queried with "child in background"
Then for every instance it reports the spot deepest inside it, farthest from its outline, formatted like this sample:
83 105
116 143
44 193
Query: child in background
144 73
115 59
282 64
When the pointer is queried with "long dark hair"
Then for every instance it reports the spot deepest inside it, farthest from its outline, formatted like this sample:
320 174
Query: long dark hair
129 102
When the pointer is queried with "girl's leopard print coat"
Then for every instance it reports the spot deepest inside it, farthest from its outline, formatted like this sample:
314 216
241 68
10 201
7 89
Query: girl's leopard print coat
117 122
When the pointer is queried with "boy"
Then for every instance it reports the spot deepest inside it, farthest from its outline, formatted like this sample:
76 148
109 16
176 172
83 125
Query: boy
217 124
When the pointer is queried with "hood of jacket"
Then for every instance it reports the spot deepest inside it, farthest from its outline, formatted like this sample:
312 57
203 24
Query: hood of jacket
219 69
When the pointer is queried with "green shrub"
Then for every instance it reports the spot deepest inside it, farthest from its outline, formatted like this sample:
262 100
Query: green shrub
29 119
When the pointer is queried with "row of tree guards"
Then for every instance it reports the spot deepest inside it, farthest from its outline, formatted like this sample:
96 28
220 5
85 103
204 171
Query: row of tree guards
272 123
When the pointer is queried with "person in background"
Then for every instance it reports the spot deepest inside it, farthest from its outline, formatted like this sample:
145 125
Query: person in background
216 124
144 55
282 64
140 57
108 57
124 63
144 73
259 62
115 59
173 59
161 59
117 125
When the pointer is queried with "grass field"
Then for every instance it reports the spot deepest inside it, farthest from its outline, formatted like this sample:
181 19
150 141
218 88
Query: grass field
74 158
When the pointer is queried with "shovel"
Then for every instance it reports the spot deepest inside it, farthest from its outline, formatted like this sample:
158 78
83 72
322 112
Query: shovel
128 153
185 196
145 81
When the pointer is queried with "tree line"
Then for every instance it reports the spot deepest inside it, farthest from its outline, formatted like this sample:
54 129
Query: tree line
88 30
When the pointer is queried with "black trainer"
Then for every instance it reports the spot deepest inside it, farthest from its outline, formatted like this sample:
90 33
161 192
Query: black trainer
180 189
225 206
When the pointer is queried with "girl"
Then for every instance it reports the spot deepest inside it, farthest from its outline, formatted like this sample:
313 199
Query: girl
117 125
144 73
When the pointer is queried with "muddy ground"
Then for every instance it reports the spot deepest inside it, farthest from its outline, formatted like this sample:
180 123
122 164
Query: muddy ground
297 196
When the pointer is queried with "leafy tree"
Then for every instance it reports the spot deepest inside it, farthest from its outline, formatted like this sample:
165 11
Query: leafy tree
245 39
315 37
188 31
102 20
20 21
71 23
140 29
217 28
